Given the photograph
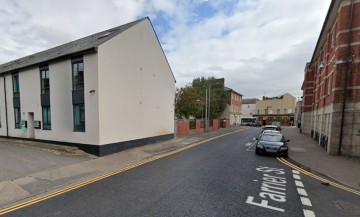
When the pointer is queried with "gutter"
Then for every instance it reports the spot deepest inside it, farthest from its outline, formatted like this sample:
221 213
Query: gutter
346 77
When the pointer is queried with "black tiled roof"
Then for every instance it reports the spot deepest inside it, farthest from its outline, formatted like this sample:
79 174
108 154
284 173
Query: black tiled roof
89 43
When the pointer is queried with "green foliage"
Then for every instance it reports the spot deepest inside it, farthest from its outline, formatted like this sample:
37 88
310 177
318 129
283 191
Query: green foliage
190 100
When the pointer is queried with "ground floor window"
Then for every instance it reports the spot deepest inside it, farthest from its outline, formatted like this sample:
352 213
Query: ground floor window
79 118
46 116
17 115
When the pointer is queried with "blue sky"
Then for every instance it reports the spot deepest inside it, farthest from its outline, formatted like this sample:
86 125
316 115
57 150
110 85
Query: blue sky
260 47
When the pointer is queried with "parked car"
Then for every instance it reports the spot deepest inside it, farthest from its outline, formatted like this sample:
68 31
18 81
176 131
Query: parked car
271 127
271 131
278 124
272 143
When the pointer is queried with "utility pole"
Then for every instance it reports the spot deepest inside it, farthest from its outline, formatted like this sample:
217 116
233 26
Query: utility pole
206 111
209 101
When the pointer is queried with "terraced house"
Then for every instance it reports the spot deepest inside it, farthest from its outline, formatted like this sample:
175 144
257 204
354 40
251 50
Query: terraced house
102 93
331 87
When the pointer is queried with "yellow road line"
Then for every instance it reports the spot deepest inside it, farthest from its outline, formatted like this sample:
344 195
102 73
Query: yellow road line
87 182
282 160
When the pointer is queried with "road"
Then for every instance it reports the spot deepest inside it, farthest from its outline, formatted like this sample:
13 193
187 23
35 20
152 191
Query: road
222 177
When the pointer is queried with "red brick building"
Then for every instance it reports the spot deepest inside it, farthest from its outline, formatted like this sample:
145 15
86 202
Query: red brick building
331 87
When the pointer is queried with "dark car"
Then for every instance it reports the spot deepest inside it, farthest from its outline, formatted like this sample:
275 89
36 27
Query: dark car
272 143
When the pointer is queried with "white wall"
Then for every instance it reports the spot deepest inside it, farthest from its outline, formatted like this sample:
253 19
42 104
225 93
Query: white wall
248 110
60 75
136 87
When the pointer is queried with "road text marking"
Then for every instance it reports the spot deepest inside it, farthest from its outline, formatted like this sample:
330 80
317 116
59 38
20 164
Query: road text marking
273 188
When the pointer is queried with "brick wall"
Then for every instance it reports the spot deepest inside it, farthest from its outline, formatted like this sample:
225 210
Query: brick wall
183 127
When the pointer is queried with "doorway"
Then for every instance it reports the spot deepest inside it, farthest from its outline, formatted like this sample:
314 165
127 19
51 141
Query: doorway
30 125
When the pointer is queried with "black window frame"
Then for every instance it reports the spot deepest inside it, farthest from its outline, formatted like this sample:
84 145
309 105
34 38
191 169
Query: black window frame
46 122
45 90
75 63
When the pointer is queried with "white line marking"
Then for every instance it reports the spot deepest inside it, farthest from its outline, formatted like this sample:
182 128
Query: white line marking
299 184
296 177
296 172
305 201
254 139
302 192
249 144
308 213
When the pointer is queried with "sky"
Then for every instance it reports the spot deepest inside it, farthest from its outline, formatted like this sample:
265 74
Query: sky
260 47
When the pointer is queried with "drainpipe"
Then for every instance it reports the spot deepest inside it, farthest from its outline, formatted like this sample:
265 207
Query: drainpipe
6 115
347 69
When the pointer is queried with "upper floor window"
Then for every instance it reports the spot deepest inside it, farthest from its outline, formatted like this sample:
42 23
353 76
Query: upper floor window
285 111
329 85
78 74
16 85
45 84
278 111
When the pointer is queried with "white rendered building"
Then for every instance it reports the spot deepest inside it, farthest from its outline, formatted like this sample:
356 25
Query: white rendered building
103 93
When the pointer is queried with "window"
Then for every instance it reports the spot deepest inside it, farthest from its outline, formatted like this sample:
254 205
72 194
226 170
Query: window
329 85
17 115
45 84
266 111
16 85
46 117
332 38
79 118
278 111
78 74
285 111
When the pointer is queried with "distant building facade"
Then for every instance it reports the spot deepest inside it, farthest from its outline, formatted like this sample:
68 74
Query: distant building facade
103 93
276 109
233 108
331 87
248 108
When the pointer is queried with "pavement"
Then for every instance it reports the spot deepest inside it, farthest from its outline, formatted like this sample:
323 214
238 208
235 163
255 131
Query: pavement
311 156
30 169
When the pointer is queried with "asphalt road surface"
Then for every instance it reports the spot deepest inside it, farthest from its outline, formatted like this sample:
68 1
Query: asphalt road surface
222 177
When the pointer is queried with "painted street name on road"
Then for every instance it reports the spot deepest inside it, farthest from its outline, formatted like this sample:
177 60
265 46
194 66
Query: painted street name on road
273 187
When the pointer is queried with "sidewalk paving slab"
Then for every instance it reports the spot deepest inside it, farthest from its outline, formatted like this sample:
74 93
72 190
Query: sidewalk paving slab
307 152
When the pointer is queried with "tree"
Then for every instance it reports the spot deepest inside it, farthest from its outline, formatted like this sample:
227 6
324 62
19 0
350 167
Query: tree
191 99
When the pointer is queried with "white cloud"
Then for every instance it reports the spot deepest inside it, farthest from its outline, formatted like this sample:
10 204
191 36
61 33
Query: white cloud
256 45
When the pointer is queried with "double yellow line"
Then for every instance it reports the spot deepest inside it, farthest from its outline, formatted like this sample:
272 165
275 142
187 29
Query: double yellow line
87 182
282 160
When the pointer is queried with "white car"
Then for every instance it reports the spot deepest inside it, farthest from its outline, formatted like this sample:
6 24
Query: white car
271 131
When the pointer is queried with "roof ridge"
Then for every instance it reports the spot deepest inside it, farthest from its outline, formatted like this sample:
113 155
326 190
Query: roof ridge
72 47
